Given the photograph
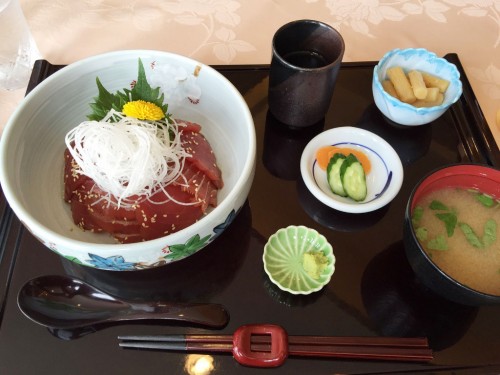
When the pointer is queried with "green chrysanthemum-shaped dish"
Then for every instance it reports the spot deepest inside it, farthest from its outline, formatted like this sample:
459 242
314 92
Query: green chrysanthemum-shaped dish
298 260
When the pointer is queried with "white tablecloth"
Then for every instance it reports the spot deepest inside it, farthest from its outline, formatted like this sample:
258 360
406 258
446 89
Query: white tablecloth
240 32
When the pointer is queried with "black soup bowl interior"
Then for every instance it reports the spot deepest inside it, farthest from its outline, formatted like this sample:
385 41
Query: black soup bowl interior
467 177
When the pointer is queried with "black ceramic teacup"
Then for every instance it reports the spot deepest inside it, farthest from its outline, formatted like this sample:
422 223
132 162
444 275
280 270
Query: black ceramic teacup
306 58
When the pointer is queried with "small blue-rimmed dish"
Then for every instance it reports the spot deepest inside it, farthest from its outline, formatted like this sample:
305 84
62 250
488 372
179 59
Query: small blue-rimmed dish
383 181
424 61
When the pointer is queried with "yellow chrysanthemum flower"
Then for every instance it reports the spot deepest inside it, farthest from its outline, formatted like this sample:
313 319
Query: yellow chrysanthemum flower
143 110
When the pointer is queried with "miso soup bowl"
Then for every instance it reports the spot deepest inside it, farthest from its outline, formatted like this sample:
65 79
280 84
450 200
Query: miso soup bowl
32 147
475 176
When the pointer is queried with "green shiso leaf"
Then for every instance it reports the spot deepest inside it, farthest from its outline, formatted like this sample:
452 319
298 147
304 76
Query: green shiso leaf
103 103
142 90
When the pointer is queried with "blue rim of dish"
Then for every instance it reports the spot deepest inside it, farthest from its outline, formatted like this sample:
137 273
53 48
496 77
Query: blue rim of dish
388 171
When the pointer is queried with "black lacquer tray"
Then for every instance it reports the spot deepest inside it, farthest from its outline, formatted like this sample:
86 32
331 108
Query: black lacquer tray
373 291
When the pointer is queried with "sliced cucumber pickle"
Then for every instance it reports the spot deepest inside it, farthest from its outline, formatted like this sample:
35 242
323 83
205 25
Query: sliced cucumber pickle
333 174
353 178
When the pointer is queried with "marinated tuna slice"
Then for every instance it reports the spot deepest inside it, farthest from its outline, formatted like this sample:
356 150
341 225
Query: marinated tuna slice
161 219
198 185
92 212
202 155
176 207
189 126
72 180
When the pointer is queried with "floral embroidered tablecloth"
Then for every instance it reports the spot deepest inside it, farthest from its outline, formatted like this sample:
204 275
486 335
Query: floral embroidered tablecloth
240 32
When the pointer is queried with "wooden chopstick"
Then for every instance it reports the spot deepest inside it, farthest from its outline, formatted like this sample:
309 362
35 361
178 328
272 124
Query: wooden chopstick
364 352
178 346
376 348
408 342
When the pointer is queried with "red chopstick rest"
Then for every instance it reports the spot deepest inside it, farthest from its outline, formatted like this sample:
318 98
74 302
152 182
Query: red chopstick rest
243 353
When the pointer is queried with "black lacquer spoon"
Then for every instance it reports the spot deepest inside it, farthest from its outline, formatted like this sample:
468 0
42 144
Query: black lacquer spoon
62 302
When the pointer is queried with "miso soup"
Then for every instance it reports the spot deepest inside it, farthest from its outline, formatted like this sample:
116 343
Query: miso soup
459 230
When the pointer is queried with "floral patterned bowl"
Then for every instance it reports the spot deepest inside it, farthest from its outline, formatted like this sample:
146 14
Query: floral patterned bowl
299 260
33 143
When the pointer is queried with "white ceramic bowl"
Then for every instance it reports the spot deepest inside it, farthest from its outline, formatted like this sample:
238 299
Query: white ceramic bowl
32 146
383 181
418 59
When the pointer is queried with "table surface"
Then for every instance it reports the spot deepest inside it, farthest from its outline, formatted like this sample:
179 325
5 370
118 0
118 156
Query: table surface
373 291
240 32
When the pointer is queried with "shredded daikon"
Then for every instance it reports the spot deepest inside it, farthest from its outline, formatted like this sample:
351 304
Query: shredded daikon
130 158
